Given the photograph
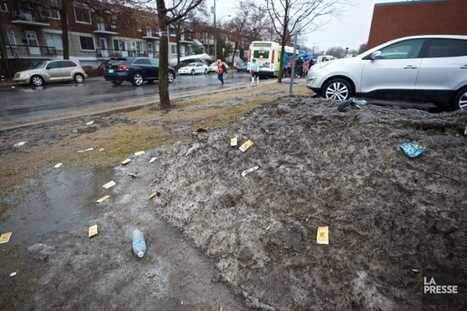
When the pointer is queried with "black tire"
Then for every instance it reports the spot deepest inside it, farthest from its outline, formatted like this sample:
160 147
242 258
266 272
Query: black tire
460 99
193 72
171 76
116 82
338 89
137 79
79 78
37 80
150 81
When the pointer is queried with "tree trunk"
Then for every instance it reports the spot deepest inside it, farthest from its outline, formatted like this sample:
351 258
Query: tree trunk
5 67
233 54
65 31
163 56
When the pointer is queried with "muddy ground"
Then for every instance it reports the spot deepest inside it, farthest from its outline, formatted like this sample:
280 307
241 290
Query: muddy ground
220 241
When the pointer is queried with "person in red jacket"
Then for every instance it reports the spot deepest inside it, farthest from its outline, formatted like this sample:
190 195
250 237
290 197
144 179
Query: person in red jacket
220 71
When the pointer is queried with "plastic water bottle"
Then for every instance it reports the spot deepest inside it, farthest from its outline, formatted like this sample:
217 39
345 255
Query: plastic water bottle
139 245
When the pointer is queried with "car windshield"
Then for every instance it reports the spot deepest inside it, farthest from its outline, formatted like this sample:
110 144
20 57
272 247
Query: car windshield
40 65
191 65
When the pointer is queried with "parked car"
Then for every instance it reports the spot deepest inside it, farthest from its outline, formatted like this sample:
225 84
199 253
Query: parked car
213 67
193 68
101 68
51 71
428 68
135 70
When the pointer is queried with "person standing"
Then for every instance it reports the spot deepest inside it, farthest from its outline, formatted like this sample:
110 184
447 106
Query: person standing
254 71
220 71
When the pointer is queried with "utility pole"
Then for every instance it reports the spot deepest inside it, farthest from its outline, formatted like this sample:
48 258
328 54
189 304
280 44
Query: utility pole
215 30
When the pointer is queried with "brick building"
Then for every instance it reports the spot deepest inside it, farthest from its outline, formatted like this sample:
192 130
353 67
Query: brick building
418 17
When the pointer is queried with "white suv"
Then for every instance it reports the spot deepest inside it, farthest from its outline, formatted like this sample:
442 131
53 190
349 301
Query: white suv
428 68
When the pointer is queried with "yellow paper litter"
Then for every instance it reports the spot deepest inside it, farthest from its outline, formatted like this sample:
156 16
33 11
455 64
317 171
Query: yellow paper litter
105 197
92 231
322 235
139 153
152 159
152 195
125 162
246 145
5 237
233 141
58 165
109 184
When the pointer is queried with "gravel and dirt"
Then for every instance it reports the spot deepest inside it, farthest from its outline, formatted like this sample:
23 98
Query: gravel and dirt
218 240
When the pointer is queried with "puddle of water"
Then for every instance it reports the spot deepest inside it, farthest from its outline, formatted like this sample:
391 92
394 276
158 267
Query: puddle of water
54 200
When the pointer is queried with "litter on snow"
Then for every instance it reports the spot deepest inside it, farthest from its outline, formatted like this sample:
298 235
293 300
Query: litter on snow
139 153
92 231
246 145
5 237
105 197
125 162
153 159
109 184
58 165
322 235
411 149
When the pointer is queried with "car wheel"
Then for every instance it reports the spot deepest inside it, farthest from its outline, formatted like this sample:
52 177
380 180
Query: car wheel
79 78
138 79
193 72
338 89
116 82
37 80
150 81
460 99
171 77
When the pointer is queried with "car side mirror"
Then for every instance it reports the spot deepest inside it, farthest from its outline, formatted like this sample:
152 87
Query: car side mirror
375 55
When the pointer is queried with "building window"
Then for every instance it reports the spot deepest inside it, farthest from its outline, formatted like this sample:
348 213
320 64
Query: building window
53 13
82 15
138 28
172 31
55 40
3 7
116 45
10 37
87 43
173 49
157 47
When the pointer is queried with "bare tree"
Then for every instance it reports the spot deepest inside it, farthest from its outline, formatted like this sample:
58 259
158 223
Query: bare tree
248 25
362 48
166 15
291 17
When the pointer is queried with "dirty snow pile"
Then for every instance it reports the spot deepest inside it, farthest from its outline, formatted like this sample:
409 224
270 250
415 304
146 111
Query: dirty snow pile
389 216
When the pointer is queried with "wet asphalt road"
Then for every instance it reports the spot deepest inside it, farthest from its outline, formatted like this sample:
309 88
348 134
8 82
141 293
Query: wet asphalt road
26 103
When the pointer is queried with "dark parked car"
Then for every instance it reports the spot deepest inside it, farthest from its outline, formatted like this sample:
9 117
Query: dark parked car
136 70
242 67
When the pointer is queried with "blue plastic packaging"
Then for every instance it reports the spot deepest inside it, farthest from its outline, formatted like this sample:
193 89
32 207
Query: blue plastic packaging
411 149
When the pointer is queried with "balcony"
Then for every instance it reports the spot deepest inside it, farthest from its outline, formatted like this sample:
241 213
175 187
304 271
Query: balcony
186 39
31 52
108 53
151 35
29 17
106 28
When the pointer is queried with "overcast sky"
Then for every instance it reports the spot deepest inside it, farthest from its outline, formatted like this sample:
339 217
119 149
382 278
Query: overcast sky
350 31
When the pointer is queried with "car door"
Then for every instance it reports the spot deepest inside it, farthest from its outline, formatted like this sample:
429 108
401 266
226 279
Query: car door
145 68
394 72
443 69
54 71
66 67
154 64
199 68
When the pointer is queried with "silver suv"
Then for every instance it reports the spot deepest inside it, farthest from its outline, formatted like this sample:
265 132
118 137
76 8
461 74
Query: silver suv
51 71
428 68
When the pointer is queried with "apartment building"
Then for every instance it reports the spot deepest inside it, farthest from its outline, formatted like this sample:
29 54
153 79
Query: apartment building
419 17
35 33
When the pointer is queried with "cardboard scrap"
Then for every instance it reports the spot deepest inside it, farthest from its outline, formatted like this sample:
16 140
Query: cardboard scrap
5 237
125 162
153 159
105 197
109 184
233 141
322 236
92 231
246 145
58 165
139 153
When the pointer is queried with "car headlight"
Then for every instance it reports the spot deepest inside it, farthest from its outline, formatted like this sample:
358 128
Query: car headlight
24 75
320 66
